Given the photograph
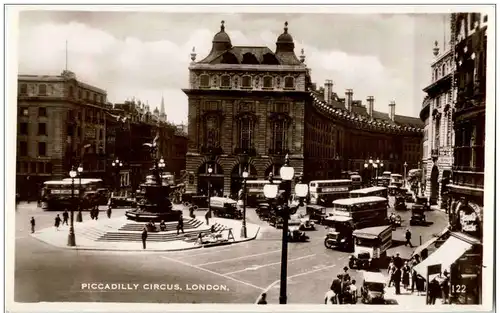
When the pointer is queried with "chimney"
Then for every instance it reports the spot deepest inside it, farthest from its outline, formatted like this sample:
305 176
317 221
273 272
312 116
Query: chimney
328 91
392 110
370 101
348 99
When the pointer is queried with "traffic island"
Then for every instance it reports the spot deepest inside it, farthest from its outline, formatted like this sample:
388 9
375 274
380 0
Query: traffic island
121 234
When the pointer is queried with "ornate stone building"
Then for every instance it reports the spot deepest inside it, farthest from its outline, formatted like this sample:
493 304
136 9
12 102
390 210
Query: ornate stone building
469 33
250 106
61 122
437 116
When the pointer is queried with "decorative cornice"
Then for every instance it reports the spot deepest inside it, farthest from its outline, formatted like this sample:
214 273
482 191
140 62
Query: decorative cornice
360 121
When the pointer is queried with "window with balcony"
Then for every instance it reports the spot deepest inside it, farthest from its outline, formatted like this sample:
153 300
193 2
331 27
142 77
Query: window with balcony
268 82
289 82
245 131
42 129
23 128
42 112
212 135
23 89
204 81
279 135
23 148
246 82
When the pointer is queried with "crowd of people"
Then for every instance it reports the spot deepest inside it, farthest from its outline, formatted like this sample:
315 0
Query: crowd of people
343 290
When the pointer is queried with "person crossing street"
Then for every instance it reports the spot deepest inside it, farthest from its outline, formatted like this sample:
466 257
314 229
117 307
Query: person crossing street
408 238
65 217
32 222
180 225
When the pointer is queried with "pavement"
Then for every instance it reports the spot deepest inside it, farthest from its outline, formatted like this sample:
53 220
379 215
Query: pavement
239 272
86 238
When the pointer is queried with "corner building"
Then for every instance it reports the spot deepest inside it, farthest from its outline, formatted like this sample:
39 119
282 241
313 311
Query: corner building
250 106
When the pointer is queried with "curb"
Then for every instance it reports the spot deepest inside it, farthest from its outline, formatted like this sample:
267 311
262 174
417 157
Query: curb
148 250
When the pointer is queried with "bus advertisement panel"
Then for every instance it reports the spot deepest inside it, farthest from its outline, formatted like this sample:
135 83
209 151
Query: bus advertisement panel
324 192
59 194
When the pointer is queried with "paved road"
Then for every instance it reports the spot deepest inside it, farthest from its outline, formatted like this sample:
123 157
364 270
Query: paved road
242 271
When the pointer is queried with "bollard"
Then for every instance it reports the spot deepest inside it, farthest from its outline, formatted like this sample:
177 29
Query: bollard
420 240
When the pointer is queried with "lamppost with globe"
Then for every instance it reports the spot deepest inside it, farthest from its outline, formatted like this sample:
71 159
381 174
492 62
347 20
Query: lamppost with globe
79 217
209 170
271 192
244 196
161 168
117 165
378 164
369 164
404 178
71 236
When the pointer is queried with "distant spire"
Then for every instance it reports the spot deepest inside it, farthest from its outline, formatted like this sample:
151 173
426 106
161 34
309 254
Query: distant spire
222 27
286 27
162 106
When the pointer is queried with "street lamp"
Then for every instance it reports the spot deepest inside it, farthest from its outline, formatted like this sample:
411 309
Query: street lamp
244 225
404 178
79 217
271 191
210 170
161 167
117 164
71 236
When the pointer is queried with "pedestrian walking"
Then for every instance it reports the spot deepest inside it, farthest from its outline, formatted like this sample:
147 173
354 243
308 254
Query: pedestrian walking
353 292
108 212
191 212
434 291
408 238
445 287
337 288
207 216
262 299
57 222
397 280
180 225
390 269
398 262
32 222
406 275
96 208
65 217
144 237
345 275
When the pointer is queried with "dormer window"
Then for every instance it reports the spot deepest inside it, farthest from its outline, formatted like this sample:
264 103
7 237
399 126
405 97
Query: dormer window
204 81
225 81
268 82
246 82
289 83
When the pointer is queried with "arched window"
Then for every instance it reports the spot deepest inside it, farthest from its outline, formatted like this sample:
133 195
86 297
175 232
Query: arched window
438 126
279 135
268 82
270 59
246 82
204 81
436 76
71 92
229 58
249 58
225 81
245 131
289 82
42 90
443 70
212 131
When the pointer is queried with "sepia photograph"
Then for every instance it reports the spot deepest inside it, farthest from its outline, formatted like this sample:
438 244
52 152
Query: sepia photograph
179 156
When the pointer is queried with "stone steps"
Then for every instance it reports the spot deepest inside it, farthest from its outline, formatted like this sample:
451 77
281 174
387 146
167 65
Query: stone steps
170 226
156 237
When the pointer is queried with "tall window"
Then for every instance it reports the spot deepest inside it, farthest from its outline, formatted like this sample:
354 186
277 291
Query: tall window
23 89
279 135
246 82
225 81
212 131
246 125
436 137
23 148
23 128
289 83
204 81
42 149
42 111
42 129
42 90
268 82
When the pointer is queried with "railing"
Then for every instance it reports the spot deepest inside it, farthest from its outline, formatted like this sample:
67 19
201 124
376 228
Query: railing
247 151
211 150
278 151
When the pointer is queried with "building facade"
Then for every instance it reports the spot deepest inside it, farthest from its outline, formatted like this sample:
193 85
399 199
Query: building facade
469 33
61 123
251 106
436 114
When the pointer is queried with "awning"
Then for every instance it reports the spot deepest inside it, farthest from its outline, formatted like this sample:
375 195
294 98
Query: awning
447 254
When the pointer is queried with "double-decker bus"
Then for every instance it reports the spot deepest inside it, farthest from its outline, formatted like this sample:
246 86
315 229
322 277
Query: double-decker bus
58 194
368 192
255 191
323 192
364 211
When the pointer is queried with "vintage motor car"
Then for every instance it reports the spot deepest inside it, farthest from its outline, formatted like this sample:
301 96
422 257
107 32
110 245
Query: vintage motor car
295 234
373 288
418 215
339 234
400 204
317 213
264 211
303 219
409 197
370 246
422 200
225 207
395 220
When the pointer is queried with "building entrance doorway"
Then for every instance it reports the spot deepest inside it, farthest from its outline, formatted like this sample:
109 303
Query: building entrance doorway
237 177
